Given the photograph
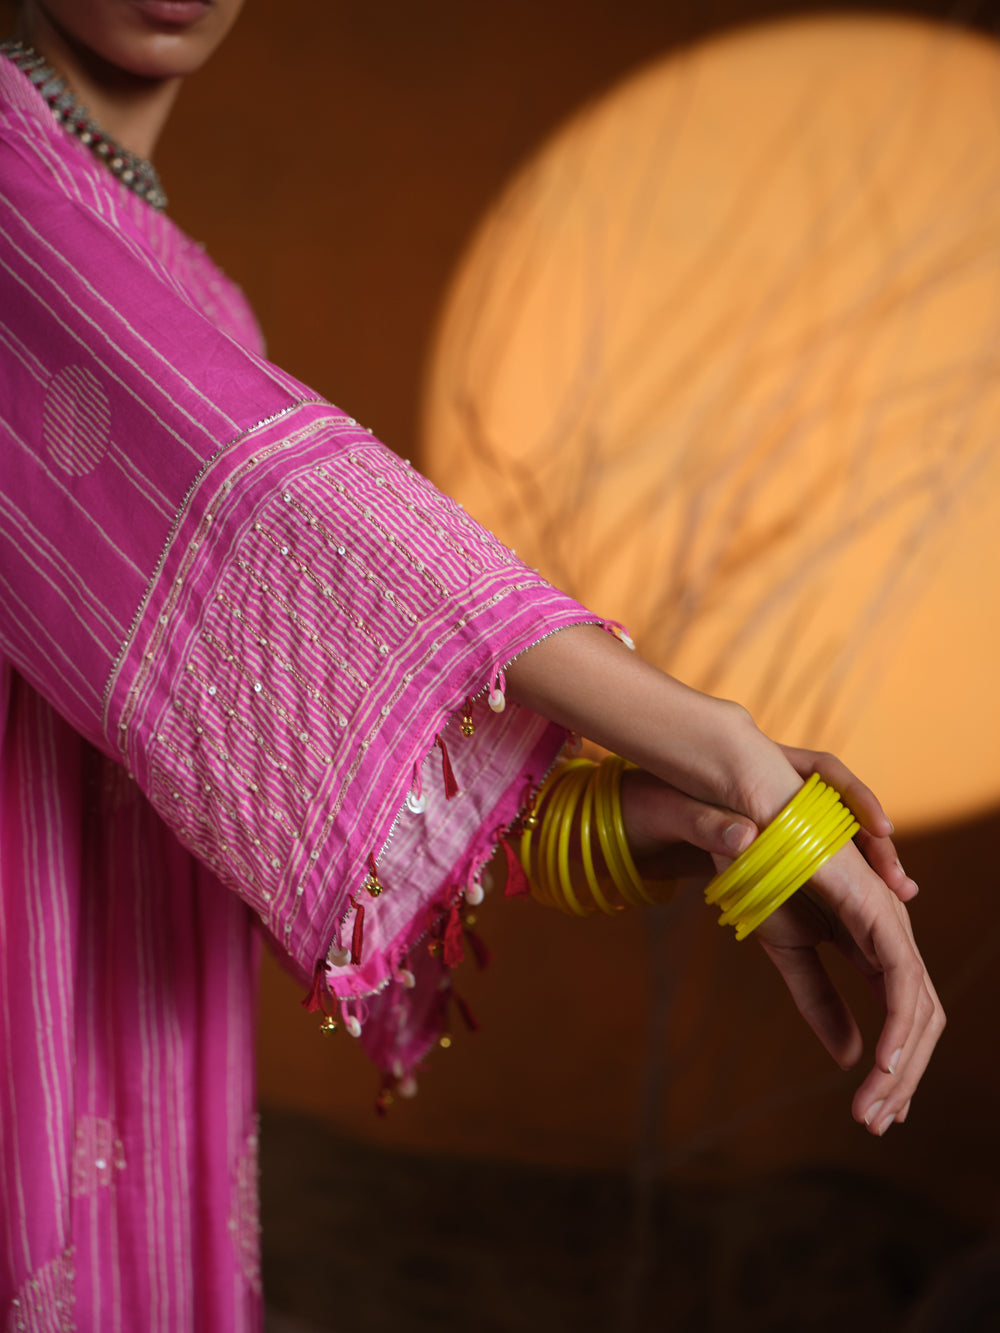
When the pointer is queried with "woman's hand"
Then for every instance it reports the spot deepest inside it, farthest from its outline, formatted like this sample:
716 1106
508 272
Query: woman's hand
710 750
848 905
670 835
874 838
857 907
674 836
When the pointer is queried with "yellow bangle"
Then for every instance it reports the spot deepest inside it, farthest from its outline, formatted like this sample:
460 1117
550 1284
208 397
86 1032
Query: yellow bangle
605 794
584 796
803 869
808 831
534 859
530 824
785 864
617 767
596 892
768 845
561 821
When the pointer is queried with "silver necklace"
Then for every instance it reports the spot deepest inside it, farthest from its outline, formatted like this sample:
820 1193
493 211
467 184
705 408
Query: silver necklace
131 169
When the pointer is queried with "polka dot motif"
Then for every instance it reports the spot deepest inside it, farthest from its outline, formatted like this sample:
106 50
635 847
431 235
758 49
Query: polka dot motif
75 420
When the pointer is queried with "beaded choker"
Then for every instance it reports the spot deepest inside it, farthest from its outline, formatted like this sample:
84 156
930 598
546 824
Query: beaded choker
134 171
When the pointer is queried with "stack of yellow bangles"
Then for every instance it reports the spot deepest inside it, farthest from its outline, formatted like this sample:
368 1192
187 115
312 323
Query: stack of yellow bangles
813 825
592 792
584 798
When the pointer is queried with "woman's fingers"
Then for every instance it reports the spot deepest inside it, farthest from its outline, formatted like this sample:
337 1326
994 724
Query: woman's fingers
874 837
659 819
887 1090
878 925
859 798
881 855
883 1100
870 926
818 1001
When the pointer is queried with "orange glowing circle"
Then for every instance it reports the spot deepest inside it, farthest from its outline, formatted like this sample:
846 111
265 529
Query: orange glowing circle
723 362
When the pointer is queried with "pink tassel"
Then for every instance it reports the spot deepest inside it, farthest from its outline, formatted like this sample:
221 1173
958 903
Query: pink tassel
450 785
517 880
454 950
358 937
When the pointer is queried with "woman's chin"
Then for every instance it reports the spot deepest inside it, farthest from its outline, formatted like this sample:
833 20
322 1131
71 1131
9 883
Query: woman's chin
148 39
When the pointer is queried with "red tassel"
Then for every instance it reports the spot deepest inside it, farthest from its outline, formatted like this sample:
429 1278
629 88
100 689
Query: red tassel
358 937
480 951
314 1000
468 1017
454 950
517 880
450 785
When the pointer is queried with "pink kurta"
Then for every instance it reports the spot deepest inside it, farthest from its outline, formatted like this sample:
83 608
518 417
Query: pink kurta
236 633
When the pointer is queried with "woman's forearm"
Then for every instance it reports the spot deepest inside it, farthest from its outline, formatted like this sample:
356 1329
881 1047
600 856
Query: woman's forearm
710 748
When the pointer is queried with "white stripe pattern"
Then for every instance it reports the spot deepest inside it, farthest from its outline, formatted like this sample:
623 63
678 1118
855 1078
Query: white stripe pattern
233 624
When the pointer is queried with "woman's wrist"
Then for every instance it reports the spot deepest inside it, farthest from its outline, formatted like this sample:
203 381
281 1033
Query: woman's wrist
764 779
587 681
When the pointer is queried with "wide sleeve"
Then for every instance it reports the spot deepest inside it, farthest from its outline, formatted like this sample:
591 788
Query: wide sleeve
283 632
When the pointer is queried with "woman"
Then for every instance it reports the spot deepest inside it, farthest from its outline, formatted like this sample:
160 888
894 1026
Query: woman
247 655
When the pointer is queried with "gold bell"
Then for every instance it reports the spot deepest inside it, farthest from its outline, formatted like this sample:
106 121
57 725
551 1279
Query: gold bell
468 726
328 1026
373 884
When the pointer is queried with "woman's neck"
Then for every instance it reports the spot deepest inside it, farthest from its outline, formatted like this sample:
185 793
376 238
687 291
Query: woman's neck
130 108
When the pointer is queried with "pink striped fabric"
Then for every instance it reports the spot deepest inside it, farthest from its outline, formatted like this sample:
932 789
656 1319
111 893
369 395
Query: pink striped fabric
236 632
